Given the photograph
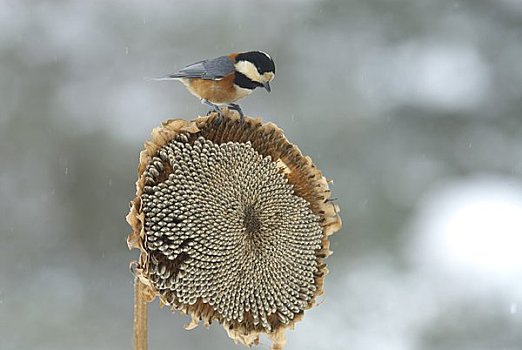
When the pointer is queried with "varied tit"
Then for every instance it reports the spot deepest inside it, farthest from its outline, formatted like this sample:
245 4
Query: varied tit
224 80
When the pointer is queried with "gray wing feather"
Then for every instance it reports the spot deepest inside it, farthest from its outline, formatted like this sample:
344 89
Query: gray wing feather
211 69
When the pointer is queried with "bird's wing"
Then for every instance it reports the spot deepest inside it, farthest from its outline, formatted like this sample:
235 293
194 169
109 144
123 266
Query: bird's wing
212 69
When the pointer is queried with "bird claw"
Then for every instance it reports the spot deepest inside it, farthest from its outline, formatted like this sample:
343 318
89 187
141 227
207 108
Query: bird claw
210 111
235 107
219 116
231 106
213 108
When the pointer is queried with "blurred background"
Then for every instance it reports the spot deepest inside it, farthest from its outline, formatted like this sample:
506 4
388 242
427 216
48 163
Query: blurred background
413 108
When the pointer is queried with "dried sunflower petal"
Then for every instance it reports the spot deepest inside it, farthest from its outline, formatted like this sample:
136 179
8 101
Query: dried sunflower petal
232 222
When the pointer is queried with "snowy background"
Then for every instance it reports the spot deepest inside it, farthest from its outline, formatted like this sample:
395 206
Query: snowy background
413 107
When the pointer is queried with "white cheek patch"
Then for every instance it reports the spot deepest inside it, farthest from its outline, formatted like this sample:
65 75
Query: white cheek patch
268 76
249 70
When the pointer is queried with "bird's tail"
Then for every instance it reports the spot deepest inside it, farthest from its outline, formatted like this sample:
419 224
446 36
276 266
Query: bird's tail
166 77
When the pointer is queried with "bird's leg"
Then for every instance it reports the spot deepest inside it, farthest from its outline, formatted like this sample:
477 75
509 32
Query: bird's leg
213 107
236 107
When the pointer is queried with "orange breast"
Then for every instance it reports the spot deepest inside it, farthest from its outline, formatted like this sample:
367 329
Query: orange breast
215 91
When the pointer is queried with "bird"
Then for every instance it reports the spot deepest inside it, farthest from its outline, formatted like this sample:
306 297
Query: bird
222 81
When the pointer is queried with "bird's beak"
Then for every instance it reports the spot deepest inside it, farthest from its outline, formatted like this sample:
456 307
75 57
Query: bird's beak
267 86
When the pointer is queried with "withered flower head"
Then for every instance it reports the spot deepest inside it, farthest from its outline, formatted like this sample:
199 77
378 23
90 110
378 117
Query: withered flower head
232 222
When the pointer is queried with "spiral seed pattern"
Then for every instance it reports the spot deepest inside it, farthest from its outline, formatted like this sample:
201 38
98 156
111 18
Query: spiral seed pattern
224 227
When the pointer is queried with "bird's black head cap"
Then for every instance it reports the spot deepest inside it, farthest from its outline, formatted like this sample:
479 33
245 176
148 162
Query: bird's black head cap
261 60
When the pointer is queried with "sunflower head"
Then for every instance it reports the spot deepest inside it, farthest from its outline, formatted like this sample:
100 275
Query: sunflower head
232 222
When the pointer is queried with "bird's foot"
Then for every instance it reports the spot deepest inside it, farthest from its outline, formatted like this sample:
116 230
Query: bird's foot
213 108
235 107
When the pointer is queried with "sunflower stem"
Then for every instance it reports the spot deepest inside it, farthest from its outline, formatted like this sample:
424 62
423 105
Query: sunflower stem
140 316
